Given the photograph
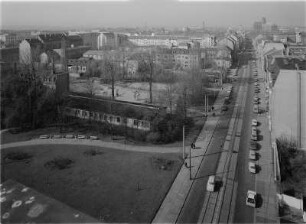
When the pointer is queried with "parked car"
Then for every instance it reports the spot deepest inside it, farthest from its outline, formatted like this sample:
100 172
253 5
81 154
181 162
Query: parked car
251 198
256 109
81 136
252 155
254 122
253 145
57 136
211 183
93 137
69 136
252 167
44 136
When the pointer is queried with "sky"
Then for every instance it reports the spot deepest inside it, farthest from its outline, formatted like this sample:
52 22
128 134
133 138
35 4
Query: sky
156 13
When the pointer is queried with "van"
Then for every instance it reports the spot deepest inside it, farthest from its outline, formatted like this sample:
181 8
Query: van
211 183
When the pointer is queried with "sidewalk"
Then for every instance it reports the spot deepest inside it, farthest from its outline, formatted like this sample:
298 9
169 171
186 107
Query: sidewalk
265 185
175 199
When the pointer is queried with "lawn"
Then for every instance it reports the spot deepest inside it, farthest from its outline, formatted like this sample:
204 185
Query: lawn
109 185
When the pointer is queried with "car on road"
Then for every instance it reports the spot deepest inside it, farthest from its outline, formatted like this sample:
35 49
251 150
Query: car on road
252 167
256 109
252 155
44 136
81 137
211 183
254 122
251 198
254 137
253 145
93 137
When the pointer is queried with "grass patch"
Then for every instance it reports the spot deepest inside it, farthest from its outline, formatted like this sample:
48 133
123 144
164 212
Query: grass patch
17 156
162 164
92 152
119 186
59 163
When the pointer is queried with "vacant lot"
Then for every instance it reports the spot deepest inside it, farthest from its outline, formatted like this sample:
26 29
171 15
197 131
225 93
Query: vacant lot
108 184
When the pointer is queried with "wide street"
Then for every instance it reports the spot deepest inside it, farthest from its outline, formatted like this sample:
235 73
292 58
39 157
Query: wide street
246 180
196 197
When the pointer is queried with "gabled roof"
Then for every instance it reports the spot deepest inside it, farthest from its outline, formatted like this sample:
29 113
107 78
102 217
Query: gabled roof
51 37
74 38
33 42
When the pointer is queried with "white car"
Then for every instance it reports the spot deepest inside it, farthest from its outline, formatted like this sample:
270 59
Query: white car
44 136
69 136
252 155
211 183
254 122
252 167
93 137
81 137
251 198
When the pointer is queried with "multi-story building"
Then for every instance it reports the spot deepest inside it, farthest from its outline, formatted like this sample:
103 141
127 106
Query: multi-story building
184 58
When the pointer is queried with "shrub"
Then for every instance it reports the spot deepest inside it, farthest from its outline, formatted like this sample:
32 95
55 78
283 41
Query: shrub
153 137
59 163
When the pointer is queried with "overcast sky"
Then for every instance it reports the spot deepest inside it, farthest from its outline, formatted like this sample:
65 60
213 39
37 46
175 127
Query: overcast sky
163 13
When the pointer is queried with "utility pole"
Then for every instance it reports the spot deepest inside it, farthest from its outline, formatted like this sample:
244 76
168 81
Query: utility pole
299 109
190 177
184 142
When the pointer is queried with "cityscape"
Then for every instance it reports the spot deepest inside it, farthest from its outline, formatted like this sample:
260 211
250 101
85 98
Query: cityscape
143 111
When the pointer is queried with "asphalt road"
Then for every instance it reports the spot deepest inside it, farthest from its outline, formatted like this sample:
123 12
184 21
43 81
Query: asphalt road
246 180
195 199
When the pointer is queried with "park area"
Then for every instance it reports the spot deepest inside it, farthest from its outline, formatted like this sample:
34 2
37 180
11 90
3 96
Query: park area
107 184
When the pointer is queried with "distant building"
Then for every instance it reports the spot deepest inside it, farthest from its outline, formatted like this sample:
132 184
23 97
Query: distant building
51 41
257 27
9 59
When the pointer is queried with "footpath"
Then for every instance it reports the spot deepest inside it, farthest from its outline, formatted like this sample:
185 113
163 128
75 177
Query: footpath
176 197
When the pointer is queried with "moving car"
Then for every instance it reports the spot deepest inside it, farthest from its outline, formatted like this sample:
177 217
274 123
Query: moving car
251 198
252 167
211 183
252 155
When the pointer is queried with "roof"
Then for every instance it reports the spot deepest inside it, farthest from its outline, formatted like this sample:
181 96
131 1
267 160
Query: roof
289 63
23 204
74 38
116 107
33 41
271 45
51 37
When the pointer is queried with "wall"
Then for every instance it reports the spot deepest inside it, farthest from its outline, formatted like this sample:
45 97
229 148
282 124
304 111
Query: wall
284 105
